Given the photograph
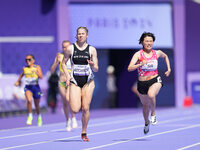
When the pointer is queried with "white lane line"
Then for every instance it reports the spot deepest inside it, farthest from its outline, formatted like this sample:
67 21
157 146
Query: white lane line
166 111
103 132
32 127
139 138
189 146
60 123
27 39
95 133
95 125
56 130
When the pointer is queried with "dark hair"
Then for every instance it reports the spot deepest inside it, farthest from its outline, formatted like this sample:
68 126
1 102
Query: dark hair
31 56
145 34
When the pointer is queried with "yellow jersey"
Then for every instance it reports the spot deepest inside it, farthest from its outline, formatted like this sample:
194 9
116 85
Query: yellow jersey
68 64
31 78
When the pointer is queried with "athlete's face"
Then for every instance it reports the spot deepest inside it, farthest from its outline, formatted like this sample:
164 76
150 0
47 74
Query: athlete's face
82 35
65 45
148 43
29 60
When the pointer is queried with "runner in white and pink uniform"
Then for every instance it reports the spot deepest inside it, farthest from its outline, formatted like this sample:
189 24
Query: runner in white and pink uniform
149 82
150 68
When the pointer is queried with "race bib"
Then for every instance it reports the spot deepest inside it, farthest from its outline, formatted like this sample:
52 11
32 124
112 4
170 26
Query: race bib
31 81
81 70
150 66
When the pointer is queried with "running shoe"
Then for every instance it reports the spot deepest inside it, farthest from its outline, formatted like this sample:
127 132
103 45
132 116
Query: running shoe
146 128
154 120
74 123
29 120
68 126
39 121
84 137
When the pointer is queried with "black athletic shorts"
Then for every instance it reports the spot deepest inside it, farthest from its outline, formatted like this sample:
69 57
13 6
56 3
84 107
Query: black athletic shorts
81 80
143 86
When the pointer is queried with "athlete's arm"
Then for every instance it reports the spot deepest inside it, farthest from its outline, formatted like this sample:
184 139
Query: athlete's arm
39 72
53 67
67 54
93 62
163 55
132 65
19 79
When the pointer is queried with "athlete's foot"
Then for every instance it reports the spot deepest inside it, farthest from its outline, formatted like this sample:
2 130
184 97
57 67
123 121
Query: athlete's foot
68 126
29 120
84 137
39 121
146 128
74 123
154 120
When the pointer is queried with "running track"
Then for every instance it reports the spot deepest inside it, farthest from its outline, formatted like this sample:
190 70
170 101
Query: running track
177 129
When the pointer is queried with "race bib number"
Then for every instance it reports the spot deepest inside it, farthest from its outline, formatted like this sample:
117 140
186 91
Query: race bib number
81 70
31 81
150 66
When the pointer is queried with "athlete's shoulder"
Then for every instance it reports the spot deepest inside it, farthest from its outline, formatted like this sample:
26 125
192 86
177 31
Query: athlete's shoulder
158 51
138 52
92 47
36 66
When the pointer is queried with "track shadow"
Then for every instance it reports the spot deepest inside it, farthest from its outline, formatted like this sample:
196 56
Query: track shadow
132 140
65 141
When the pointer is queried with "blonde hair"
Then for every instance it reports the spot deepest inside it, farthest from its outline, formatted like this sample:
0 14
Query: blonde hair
81 27
66 41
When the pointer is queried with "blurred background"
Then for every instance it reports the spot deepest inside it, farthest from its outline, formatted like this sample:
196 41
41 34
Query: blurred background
38 27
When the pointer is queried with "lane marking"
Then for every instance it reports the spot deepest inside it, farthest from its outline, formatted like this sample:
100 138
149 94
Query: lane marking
56 130
185 111
147 136
95 125
189 146
114 130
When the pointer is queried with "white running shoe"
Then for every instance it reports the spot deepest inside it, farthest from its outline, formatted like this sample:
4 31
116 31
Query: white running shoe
74 123
154 120
68 126
146 128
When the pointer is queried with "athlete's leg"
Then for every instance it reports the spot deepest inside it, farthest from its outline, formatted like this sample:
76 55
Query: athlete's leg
145 106
75 98
29 97
87 92
65 103
74 121
37 105
152 92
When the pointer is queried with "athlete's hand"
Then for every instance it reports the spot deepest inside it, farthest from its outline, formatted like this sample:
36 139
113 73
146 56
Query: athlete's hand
167 73
91 63
68 77
17 83
143 62
59 58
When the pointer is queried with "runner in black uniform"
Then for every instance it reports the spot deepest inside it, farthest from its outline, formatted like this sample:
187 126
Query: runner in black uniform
84 61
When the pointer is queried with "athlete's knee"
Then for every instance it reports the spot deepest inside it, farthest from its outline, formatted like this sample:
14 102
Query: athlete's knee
85 108
65 103
151 95
75 110
145 104
29 100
